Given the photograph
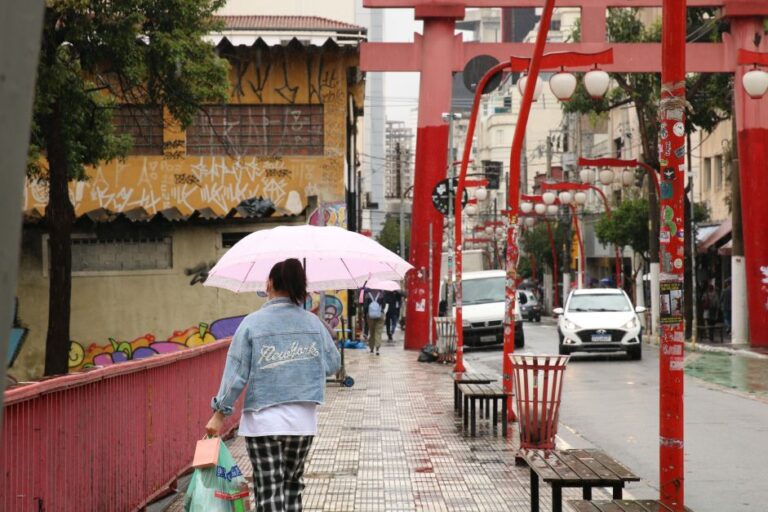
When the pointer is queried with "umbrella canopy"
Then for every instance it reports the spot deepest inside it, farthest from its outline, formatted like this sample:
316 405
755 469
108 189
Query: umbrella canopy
334 259
383 284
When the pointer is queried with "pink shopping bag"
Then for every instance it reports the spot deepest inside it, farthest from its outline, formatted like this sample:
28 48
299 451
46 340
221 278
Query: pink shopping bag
206 452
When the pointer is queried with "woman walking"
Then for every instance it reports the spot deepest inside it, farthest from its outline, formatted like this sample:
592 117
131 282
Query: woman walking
280 355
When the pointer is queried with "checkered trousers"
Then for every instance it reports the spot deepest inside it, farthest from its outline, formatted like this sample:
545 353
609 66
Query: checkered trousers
278 471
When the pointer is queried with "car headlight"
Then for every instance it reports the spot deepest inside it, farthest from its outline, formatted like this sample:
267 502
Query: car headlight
466 323
570 325
632 324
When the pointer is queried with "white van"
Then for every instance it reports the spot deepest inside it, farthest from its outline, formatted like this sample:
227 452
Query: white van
483 309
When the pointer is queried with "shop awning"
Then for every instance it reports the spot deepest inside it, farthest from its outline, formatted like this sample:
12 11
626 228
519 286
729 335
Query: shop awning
713 236
727 249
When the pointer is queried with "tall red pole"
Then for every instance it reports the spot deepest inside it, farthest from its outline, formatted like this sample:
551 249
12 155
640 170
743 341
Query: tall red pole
514 198
431 156
459 365
671 243
555 298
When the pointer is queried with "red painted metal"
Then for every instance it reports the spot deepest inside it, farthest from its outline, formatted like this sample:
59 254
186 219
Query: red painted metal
462 179
539 384
571 60
513 198
588 186
752 126
618 162
110 438
555 295
671 251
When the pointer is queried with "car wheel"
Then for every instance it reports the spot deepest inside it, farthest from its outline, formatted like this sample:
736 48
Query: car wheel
636 353
538 318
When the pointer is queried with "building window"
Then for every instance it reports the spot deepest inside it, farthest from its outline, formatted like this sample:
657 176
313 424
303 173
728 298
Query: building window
717 177
110 255
145 126
228 240
261 130
707 175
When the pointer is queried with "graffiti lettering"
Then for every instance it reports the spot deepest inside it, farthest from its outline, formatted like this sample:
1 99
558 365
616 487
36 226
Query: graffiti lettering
199 272
186 179
277 173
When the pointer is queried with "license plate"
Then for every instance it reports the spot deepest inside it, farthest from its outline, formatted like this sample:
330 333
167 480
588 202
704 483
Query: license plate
491 337
601 337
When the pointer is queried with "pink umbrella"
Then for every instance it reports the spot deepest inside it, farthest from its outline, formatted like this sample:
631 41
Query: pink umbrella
335 259
382 284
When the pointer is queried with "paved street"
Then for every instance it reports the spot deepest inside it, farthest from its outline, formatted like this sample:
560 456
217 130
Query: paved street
611 403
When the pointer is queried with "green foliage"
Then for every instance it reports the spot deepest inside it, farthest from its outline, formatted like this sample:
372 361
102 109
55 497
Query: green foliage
390 236
535 243
627 226
701 213
98 54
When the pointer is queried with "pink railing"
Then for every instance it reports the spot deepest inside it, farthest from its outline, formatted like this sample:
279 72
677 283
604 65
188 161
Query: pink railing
110 439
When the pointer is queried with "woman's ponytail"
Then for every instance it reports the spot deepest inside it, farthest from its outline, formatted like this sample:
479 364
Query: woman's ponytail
289 277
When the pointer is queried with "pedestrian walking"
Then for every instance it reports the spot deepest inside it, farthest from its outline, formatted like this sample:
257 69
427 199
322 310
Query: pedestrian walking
280 355
375 311
392 301
725 305
710 307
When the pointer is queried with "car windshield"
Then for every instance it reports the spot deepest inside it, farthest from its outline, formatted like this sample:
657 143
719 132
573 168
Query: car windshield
599 302
483 291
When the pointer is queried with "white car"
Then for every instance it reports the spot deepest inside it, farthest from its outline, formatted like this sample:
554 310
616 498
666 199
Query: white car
600 320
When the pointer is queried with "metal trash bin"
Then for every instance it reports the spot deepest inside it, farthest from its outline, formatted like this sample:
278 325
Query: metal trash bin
538 384
446 339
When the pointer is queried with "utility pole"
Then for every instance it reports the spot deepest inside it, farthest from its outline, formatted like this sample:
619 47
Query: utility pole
399 167
549 157
671 355
739 309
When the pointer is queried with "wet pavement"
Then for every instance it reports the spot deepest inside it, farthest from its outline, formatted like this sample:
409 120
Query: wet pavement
735 369
392 442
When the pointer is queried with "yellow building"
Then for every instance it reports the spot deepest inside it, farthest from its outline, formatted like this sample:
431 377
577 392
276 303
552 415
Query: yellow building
150 227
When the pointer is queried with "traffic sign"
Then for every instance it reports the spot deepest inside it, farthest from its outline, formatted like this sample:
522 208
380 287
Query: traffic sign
440 195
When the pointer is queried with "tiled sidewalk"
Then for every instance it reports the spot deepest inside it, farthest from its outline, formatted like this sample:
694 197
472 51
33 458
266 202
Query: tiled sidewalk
392 443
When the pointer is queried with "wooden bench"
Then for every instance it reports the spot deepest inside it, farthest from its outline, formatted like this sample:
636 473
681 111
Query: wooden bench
574 468
488 395
468 378
621 506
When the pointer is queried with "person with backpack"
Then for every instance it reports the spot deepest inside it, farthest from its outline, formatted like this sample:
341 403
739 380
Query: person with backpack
375 312
392 301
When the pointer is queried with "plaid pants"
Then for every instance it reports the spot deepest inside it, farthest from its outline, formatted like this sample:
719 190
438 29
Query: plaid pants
278 471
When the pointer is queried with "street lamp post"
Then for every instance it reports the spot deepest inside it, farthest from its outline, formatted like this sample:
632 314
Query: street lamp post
533 65
566 186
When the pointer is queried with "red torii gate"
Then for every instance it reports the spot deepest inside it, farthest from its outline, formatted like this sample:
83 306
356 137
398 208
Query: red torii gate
439 52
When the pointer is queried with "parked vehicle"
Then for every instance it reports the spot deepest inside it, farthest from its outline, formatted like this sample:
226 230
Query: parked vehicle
600 320
530 307
483 307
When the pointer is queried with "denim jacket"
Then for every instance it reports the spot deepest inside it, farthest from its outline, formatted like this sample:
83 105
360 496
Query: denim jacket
280 353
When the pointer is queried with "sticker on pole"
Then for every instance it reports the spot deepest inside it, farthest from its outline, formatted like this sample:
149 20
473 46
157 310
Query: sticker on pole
671 302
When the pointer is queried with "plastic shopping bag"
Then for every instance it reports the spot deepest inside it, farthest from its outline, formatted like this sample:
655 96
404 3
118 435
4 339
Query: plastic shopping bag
218 489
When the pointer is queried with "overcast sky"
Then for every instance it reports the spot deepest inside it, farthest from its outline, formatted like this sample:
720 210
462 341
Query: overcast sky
401 90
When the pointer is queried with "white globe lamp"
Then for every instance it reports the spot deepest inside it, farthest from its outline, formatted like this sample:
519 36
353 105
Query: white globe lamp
499 230
563 85
627 177
481 193
596 82
471 209
536 91
488 230
755 82
552 209
530 221
586 175
606 176
526 207
580 198
548 197
565 197
540 208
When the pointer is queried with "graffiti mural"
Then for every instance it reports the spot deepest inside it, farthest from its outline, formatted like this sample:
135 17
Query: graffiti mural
145 346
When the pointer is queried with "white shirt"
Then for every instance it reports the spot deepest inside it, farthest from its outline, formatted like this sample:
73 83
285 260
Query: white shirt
291 419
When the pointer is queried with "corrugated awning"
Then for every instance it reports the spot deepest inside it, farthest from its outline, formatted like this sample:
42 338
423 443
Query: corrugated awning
727 249
714 236
284 30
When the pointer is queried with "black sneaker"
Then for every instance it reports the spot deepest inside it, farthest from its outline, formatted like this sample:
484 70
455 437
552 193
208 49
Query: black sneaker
377 352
